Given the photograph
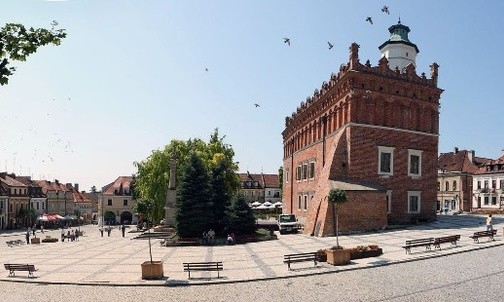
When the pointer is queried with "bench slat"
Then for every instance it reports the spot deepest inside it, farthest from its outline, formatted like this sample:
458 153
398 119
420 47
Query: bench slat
300 257
203 266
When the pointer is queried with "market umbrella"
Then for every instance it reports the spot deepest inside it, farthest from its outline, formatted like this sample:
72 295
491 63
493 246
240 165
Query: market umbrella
58 217
256 204
267 203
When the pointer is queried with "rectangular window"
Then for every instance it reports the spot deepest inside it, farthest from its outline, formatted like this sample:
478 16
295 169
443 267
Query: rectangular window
414 162
299 202
312 170
305 170
389 201
501 184
109 202
38 205
485 200
125 202
287 175
305 205
494 184
414 202
494 200
486 184
385 160
298 172
454 185
479 184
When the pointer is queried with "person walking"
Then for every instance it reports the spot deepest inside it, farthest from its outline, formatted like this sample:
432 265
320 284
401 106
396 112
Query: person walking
28 236
123 229
101 231
489 222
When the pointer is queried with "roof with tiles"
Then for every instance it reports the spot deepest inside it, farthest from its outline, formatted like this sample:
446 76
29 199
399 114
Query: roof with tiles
10 180
119 187
263 180
48 185
460 161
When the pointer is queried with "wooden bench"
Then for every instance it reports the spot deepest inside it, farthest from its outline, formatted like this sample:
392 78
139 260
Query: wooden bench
447 239
477 235
12 243
427 242
300 257
203 266
12 268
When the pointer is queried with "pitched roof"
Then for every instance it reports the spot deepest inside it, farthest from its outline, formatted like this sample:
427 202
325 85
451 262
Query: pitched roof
10 180
263 180
119 186
459 161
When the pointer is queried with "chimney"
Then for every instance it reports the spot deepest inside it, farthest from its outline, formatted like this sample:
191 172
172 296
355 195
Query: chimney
56 181
76 186
456 150
68 186
470 154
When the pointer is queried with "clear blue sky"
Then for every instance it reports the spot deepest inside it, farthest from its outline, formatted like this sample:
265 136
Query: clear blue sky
131 76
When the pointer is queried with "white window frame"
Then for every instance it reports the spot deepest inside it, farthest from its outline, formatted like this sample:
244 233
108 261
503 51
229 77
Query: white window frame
383 149
311 169
413 194
413 152
389 201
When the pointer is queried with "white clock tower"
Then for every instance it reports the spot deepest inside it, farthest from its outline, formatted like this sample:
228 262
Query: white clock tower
398 50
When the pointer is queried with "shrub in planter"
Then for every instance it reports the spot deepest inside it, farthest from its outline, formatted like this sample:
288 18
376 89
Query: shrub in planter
321 255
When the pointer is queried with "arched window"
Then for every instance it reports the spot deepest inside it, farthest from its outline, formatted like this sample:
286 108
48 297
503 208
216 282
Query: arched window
447 186
454 185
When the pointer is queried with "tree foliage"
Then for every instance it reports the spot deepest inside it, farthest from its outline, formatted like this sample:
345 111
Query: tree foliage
241 217
337 196
194 206
17 43
151 181
220 197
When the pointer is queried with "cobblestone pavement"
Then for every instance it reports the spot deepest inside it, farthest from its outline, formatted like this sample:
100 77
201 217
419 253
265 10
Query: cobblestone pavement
115 260
472 276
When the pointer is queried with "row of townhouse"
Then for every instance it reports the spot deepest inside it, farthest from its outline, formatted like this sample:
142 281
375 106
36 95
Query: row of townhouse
23 199
260 187
469 183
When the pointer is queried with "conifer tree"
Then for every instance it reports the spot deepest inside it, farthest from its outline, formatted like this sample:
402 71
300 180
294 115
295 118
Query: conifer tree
220 197
242 220
194 206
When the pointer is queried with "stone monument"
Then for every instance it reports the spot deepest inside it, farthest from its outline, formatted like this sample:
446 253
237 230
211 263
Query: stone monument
171 194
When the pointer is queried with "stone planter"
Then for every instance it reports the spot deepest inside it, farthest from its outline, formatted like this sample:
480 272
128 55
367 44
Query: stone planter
152 270
338 257
365 254
35 240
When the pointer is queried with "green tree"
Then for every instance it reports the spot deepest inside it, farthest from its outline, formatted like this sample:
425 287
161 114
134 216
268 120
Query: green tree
337 197
220 197
241 217
280 180
153 173
194 206
17 43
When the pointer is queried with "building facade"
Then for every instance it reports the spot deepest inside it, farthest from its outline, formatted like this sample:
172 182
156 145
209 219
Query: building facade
115 202
455 180
371 131
260 187
488 185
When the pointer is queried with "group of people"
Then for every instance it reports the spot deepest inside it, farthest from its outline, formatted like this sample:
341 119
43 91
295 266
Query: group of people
71 235
108 229
209 237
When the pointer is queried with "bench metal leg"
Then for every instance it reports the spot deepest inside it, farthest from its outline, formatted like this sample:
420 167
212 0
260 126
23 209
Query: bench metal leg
12 274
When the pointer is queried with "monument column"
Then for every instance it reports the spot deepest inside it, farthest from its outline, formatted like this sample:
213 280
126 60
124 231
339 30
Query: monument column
171 194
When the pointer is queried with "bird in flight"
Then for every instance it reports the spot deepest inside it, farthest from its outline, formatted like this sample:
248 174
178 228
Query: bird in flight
287 40
257 105
330 44
206 69
368 19
385 9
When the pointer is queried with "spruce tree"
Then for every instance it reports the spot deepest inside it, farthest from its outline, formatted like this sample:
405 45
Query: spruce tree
194 206
220 197
242 220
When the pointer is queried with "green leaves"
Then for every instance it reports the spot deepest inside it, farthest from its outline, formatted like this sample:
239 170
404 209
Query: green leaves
17 43
337 196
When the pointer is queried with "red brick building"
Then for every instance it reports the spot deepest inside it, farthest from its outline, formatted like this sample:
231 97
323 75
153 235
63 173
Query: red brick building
371 131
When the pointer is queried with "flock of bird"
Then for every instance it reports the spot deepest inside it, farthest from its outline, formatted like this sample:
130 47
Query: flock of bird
330 45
